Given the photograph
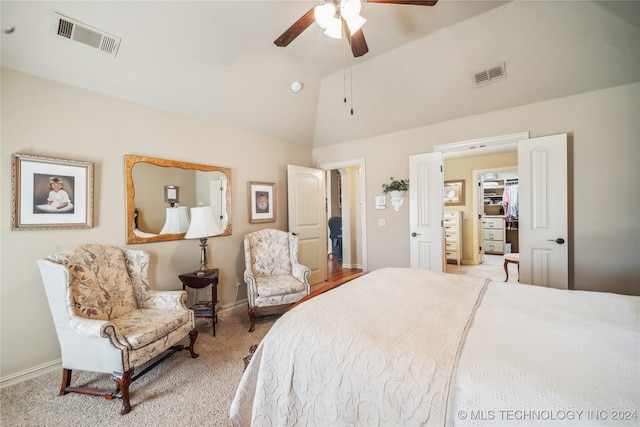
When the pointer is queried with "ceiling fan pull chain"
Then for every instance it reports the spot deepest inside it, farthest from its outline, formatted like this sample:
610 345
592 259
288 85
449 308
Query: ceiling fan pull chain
344 80
351 73
344 69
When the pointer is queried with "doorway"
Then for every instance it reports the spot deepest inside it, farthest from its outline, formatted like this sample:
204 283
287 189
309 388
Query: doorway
345 198
471 161
543 214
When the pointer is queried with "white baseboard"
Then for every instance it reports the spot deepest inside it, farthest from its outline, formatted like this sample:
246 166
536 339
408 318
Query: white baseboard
352 266
27 374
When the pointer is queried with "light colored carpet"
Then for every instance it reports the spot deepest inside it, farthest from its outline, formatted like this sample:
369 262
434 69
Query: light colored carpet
492 268
181 391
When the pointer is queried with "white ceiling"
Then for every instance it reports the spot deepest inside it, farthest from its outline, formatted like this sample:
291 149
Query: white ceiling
216 61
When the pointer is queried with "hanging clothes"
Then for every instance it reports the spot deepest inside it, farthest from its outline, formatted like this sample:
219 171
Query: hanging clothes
510 199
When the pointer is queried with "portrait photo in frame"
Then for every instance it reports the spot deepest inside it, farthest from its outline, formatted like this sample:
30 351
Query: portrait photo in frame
262 202
454 192
50 193
172 194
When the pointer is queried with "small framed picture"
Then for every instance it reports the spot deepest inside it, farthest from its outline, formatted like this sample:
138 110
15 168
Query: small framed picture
50 193
454 192
171 194
262 202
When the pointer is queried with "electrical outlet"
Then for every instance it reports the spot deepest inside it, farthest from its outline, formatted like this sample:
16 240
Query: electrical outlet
238 282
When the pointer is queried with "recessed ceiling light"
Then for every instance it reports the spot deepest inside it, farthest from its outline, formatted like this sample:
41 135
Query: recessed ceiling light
296 87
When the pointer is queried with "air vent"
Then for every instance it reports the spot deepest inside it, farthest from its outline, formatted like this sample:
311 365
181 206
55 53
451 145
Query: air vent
71 29
489 76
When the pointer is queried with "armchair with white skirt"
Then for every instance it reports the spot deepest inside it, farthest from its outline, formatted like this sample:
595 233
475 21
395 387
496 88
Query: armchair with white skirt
272 273
107 318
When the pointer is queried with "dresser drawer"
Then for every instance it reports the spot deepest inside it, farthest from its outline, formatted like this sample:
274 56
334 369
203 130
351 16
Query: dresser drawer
493 223
492 234
492 246
450 222
450 231
452 255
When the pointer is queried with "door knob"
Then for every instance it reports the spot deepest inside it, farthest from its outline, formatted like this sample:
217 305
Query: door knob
559 240
414 234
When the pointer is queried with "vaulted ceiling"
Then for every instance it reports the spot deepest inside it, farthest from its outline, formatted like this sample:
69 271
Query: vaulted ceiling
216 60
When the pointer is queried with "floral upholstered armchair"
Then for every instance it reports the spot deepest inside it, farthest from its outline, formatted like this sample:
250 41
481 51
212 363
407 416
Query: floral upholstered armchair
107 318
272 273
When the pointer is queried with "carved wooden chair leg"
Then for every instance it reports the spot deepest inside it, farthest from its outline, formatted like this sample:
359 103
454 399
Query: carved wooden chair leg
123 382
252 313
193 334
66 381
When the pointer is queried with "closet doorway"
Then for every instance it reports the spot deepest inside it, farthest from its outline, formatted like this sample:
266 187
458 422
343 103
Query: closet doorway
496 208
471 161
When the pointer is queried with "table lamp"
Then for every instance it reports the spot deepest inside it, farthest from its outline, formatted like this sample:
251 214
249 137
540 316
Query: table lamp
203 225
177 221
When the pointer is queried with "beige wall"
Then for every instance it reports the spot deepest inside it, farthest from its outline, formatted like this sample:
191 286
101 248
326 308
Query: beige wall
604 155
43 118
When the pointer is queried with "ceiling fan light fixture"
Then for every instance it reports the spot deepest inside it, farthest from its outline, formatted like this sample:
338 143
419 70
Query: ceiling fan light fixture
323 14
334 30
349 9
355 23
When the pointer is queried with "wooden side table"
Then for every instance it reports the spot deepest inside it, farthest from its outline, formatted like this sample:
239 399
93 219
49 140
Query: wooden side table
192 280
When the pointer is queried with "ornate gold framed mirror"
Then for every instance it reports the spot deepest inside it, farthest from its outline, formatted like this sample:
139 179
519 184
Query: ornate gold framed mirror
154 217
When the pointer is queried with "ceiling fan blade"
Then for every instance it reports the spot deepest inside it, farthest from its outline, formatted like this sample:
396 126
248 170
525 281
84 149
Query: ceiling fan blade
415 3
356 40
296 29
358 43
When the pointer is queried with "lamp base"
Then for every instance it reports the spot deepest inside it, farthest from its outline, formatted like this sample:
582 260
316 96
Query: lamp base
204 270
201 273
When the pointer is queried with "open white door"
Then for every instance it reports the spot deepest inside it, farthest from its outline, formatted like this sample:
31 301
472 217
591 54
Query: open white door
308 218
543 201
426 211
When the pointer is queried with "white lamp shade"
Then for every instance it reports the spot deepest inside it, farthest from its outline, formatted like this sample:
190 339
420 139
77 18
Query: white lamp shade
334 30
203 223
323 14
355 23
350 9
177 221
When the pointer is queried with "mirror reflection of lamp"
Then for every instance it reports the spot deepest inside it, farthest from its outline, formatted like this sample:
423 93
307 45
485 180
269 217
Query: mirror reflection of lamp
177 221
203 225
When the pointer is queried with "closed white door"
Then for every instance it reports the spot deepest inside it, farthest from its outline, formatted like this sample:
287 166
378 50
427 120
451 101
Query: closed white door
426 211
543 204
308 219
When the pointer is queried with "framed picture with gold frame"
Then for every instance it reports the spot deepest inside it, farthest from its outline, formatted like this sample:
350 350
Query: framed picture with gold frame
454 192
50 193
262 202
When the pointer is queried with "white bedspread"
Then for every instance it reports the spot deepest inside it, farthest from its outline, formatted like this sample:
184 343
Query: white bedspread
536 356
402 347
388 365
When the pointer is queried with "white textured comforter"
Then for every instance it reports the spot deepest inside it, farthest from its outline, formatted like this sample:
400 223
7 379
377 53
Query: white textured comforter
384 350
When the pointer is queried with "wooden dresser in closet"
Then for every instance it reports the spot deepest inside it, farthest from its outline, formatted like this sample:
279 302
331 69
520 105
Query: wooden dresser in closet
453 235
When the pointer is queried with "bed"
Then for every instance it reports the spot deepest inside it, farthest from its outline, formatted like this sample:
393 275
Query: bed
405 347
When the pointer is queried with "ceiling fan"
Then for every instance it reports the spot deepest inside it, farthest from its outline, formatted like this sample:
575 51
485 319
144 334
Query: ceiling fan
338 16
